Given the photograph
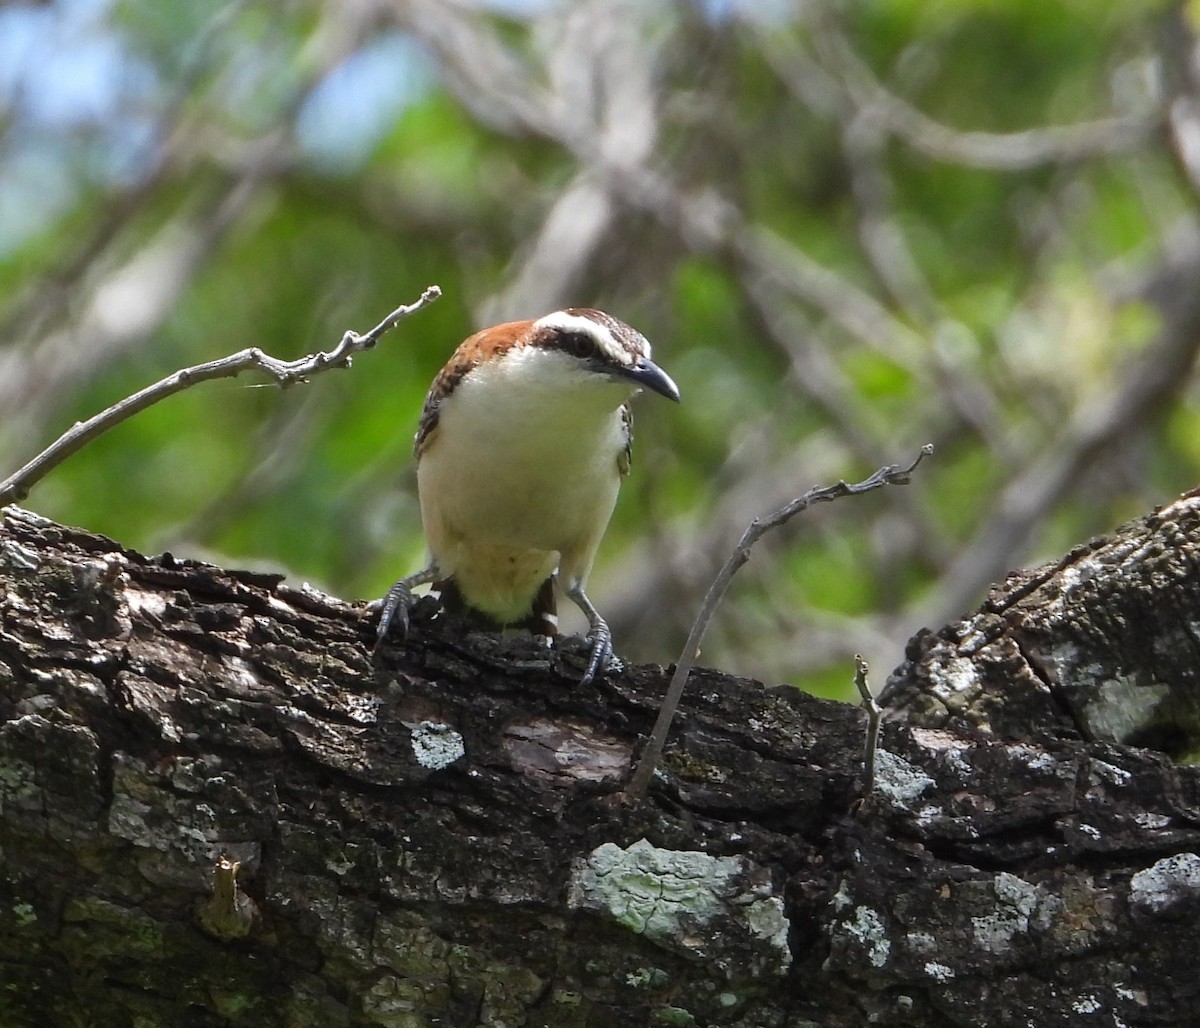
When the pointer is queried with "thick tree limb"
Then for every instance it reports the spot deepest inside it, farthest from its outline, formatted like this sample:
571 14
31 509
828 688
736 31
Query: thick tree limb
437 838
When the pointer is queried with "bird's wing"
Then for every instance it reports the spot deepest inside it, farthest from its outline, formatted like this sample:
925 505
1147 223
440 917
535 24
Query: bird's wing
625 457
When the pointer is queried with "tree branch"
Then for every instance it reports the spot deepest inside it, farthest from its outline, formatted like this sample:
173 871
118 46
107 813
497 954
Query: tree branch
843 85
889 475
16 487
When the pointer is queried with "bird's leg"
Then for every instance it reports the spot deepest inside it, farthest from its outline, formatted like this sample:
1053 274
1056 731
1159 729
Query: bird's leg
397 601
599 634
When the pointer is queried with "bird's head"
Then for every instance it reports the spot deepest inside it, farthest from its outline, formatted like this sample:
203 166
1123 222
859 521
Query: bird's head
600 344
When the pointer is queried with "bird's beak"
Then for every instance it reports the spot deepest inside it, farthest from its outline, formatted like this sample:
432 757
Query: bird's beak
649 375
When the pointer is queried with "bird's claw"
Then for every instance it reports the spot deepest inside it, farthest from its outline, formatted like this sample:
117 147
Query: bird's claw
601 653
395 605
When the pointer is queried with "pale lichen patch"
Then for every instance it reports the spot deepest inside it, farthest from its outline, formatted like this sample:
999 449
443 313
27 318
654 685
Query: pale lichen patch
939 972
1017 901
1166 882
1120 706
436 746
899 780
717 909
866 927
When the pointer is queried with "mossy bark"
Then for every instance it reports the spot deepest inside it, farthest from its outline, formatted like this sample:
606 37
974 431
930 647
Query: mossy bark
217 809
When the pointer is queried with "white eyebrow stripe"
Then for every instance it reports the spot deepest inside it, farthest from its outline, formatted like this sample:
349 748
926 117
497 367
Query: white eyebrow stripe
562 321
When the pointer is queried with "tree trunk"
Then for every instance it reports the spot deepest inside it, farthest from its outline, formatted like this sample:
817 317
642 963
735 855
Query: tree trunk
217 809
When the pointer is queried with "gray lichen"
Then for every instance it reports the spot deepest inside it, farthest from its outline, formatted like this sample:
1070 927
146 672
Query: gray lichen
1166 882
436 746
718 909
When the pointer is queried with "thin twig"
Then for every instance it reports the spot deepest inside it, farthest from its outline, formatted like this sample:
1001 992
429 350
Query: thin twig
889 475
16 487
874 714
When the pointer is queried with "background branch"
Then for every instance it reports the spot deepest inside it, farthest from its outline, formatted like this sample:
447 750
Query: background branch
836 239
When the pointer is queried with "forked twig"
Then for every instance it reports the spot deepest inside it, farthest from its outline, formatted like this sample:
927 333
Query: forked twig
16 487
889 475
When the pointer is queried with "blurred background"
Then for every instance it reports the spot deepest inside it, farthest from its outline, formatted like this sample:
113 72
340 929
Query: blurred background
848 228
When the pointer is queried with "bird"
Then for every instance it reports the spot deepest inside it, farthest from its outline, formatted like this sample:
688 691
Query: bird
521 448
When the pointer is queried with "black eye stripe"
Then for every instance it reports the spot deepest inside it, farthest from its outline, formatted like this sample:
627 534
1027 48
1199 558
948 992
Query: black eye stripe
579 344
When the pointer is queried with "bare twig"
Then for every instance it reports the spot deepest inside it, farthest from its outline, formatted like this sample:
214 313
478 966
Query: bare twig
889 475
874 713
16 487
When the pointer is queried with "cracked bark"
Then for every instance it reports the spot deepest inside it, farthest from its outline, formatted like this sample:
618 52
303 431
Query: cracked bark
216 810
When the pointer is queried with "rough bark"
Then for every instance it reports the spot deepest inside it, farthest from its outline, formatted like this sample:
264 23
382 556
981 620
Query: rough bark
215 809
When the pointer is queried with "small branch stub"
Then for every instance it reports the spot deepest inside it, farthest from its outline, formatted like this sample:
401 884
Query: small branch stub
228 913
874 715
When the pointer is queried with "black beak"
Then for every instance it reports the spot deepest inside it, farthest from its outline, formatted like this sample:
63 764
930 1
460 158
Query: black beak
650 376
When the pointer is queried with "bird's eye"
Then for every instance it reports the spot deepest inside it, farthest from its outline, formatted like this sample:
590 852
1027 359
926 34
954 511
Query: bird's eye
578 344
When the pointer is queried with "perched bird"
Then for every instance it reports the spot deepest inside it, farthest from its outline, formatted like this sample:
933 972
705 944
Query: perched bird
521 448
